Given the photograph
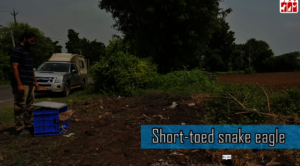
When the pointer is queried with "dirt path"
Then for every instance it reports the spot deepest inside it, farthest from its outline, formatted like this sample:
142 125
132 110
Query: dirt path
274 81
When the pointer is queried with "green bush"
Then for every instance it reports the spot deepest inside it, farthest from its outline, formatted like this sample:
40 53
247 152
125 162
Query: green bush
122 74
294 94
4 68
183 79
183 82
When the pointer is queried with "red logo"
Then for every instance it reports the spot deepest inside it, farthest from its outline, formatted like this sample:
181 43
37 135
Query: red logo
288 6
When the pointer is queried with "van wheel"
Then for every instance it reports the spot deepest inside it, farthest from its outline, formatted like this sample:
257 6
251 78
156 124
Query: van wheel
67 90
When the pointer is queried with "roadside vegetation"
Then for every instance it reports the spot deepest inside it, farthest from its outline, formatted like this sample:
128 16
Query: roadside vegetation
4 83
121 73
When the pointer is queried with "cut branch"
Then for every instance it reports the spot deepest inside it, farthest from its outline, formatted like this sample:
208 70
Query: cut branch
245 99
218 97
236 100
243 113
246 110
266 96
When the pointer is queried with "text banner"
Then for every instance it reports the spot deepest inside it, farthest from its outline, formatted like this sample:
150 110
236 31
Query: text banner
220 136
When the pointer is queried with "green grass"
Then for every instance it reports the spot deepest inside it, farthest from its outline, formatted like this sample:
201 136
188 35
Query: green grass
7 113
4 83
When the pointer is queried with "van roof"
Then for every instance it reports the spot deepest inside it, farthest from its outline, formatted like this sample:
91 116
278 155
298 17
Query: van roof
63 57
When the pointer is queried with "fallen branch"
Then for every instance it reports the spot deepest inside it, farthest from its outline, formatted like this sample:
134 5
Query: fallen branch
266 96
218 97
268 114
245 98
243 113
236 100
246 110
249 111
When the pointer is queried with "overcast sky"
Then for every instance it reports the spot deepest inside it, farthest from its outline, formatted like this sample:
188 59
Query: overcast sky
258 19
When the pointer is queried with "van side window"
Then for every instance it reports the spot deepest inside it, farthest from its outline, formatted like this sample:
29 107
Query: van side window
81 64
73 67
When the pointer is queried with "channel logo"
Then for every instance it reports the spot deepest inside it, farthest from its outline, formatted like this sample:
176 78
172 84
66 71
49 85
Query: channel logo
288 6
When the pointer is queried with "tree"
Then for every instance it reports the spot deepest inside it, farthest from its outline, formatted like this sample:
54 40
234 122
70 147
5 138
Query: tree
283 63
171 32
92 50
74 44
258 51
221 46
4 67
239 59
42 50
57 48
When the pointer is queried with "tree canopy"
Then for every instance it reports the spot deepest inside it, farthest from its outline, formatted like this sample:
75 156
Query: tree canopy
4 66
285 62
218 55
57 48
174 33
258 51
92 50
74 43
42 50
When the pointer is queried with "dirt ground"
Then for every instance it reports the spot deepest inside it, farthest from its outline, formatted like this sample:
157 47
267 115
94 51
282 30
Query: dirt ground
107 132
274 81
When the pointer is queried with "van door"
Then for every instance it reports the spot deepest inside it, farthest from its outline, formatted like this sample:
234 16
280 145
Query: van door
75 75
83 70
81 65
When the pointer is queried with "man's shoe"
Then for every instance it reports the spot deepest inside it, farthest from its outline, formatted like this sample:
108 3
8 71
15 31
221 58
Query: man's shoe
24 132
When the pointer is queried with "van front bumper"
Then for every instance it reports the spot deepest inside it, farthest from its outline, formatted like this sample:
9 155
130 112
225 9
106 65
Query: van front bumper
55 87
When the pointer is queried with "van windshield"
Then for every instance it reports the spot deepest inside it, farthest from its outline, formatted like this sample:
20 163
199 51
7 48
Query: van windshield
54 67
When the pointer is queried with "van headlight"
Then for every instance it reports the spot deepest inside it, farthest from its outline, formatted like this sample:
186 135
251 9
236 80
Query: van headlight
59 79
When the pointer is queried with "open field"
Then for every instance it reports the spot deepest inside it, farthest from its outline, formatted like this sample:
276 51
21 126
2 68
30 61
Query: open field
274 81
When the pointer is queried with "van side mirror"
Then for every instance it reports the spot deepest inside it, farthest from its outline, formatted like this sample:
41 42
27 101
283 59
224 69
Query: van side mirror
74 71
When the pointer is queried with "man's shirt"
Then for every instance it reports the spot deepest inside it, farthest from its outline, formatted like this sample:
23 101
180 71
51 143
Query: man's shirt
22 56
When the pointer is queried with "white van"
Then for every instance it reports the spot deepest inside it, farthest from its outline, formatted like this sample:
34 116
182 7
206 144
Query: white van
62 73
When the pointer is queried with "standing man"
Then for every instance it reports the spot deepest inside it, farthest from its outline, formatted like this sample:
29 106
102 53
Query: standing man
23 83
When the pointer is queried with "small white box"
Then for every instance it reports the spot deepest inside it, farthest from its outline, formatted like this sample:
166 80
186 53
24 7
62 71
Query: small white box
226 157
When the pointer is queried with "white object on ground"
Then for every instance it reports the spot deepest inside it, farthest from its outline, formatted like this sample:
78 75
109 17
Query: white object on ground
174 104
69 135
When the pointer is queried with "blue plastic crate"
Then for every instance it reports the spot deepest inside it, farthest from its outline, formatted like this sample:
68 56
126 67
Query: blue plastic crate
65 125
46 121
